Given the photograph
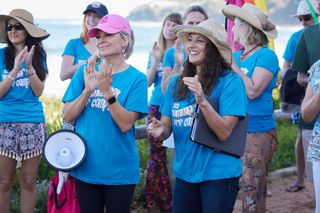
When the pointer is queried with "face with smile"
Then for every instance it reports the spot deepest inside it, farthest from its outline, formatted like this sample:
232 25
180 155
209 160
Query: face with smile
91 19
196 48
16 32
194 18
110 44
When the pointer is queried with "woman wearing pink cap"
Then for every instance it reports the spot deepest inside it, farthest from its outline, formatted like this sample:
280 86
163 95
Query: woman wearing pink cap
105 100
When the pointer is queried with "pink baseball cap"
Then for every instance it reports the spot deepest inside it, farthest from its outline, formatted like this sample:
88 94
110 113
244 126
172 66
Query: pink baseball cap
111 24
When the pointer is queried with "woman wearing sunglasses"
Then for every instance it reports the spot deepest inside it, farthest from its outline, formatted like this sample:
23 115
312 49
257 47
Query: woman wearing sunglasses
23 71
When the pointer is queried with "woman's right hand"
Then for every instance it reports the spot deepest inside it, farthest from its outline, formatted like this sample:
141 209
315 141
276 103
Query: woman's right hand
178 52
89 77
155 128
157 55
18 60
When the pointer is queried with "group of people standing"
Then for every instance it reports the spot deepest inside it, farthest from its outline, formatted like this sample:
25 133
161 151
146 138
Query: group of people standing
190 64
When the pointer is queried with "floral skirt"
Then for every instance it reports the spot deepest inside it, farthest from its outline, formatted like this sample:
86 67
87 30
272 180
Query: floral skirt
158 191
21 141
257 158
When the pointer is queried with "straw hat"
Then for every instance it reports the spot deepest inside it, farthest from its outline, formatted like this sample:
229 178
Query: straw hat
212 31
303 8
26 19
254 16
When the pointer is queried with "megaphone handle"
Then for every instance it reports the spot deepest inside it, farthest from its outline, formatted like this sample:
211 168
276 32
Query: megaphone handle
63 177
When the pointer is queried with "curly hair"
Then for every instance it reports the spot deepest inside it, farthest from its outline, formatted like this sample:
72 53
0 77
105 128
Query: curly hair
213 66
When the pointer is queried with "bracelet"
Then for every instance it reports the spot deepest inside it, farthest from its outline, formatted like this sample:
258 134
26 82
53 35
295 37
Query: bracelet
179 65
10 77
31 74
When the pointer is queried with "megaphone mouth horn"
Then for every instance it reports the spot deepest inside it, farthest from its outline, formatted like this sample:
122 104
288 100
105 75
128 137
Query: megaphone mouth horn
64 150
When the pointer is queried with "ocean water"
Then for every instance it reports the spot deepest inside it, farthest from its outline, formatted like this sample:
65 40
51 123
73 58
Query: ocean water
61 31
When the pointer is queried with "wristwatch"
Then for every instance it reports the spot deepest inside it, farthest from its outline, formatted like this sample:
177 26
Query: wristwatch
112 100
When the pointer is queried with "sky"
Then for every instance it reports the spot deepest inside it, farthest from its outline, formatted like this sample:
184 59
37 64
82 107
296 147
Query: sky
67 9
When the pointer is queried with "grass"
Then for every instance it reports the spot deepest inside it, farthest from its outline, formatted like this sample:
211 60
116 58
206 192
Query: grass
283 157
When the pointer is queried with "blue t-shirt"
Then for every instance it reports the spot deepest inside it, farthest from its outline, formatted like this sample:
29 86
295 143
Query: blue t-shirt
157 94
112 157
168 59
288 54
76 48
194 162
19 104
260 109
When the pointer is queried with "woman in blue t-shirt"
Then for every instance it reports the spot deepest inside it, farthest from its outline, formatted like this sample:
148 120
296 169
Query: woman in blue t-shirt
23 71
206 180
258 67
79 50
106 100
158 191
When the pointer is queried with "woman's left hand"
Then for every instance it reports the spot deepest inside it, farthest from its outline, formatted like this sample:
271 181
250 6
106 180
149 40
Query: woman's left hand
104 79
195 86
29 56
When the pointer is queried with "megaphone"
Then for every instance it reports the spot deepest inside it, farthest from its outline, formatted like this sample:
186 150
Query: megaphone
64 150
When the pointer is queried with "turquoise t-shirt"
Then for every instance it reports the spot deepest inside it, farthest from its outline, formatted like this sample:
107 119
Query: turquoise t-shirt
194 162
292 45
112 157
168 59
76 48
157 94
19 104
260 109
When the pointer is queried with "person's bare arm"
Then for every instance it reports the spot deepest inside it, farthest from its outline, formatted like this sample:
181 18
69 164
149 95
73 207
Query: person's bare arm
302 79
310 106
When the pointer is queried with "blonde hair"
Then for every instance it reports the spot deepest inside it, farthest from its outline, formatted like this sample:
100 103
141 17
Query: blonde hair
129 48
251 34
174 17
84 34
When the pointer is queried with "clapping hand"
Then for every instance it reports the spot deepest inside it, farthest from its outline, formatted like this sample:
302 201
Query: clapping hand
195 86
19 59
157 55
104 79
89 77
155 129
29 56
178 52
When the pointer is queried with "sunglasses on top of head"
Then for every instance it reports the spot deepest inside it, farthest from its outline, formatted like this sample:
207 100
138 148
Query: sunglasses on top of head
305 18
19 27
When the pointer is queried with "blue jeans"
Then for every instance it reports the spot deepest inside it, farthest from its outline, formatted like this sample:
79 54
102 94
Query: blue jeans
209 196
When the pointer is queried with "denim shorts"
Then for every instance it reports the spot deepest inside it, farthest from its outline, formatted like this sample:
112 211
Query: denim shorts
21 141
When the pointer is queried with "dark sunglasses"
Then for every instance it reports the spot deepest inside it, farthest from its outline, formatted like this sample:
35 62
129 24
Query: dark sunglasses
9 27
305 18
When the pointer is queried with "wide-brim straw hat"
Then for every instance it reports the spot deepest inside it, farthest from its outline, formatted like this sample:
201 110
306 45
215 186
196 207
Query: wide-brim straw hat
212 31
26 19
254 16
303 8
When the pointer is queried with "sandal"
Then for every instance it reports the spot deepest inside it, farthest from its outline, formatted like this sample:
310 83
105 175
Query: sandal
294 187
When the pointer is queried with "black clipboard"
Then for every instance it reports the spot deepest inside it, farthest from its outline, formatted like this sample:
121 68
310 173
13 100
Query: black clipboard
202 134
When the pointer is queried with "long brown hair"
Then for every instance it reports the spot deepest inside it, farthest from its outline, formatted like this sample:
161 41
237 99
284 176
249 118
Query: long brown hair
213 66
39 57
174 17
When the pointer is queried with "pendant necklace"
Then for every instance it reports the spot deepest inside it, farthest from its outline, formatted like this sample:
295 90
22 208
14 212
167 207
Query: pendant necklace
242 54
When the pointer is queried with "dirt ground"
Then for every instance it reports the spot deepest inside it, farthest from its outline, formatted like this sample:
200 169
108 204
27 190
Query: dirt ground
280 201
